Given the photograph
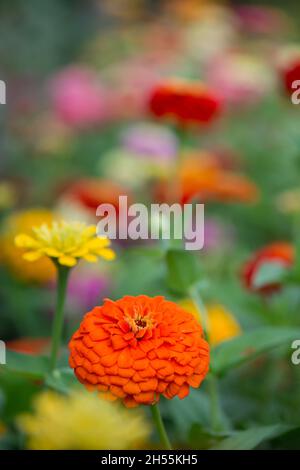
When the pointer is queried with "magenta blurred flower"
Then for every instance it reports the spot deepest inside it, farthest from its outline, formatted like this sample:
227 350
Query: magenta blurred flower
86 289
151 141
78 98
218 236
261 19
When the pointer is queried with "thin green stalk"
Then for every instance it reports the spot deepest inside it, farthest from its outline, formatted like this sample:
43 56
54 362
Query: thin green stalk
212 381
181 132
173 192
62 281
160 427
197 299
296 239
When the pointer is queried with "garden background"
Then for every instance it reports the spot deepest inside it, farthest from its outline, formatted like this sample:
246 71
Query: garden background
79 128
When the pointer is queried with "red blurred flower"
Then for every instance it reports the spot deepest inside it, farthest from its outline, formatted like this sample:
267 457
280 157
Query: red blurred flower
279 252
32 346
291 73
89 193
184 102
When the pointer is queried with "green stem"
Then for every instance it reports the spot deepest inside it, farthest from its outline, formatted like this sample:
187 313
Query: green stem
62 281
160 427
215 408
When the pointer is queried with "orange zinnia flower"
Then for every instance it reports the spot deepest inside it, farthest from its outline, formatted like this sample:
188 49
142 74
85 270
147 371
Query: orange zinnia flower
280 252
138 348
184 102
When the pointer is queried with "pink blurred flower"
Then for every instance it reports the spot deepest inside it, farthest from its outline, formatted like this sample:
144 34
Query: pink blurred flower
216 235
150 141
130 85
78 98
239 78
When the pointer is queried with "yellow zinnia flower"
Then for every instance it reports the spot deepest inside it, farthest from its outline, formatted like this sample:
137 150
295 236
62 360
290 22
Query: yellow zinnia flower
82 421
66 242
42 271
221 323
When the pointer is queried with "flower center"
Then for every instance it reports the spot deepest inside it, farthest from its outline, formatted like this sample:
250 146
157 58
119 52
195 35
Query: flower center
140 323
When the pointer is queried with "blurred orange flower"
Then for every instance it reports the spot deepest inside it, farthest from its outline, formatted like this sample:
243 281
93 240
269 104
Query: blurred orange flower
42 270
138 348
203 178
280 252
184 102
187 11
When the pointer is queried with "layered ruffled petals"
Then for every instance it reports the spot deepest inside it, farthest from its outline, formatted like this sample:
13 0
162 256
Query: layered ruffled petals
138 348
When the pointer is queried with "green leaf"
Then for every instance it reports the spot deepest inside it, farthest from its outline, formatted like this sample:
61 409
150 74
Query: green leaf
269 273
243 348
183 270
251 438
184 413
137 273
26 364
201 438
61 380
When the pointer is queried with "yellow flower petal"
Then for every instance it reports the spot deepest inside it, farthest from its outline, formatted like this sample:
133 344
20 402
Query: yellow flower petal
67 261
97 243
104 240
80 253
25 241
107 254
89 231
52 252
90 258
32 255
